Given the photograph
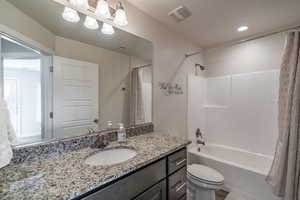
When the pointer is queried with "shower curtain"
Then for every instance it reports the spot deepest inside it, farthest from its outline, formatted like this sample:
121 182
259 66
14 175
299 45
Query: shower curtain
137 114
285 172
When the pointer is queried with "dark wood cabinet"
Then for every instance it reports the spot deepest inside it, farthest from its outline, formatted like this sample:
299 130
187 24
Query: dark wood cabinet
177 184
176 179
157 192
132 185
162 180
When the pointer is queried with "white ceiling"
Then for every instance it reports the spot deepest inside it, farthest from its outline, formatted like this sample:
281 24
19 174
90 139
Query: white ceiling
214 22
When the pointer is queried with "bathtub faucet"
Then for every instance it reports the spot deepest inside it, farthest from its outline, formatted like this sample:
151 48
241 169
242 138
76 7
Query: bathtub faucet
201 142
199 136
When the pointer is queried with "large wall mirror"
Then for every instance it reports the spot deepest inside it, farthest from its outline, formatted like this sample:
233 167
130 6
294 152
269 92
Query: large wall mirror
60 79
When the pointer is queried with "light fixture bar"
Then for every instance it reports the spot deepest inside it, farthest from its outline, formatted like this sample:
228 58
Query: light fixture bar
102 12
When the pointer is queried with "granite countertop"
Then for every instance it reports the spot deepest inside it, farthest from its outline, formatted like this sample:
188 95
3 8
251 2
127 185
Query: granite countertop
66 176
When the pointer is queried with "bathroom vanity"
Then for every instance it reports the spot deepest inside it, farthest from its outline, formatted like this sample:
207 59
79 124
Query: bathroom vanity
163 179
158 171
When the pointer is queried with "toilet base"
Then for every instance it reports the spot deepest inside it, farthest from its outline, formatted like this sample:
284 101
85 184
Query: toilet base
201 195
196 192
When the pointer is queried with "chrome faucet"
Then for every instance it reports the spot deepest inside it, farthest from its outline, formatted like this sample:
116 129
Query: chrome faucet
101 141
91 130
201 142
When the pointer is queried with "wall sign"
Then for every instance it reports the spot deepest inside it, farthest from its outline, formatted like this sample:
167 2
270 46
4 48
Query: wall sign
171 89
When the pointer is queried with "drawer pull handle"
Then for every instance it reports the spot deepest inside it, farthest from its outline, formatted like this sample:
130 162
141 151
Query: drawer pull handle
180 162
180 187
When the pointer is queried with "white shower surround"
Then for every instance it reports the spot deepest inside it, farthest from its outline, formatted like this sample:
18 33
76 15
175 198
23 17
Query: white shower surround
244 171
238 110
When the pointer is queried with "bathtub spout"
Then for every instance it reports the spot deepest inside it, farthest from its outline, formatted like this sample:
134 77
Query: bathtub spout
201 142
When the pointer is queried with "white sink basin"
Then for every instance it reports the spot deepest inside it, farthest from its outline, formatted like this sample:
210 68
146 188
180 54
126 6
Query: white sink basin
110 156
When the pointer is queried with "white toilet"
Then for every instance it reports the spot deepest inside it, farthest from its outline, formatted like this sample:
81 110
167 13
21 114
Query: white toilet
203 181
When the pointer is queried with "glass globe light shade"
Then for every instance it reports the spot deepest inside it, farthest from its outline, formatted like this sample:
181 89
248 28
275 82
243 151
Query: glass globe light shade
121 18
70 15
107 29
102 9
82 4
91 23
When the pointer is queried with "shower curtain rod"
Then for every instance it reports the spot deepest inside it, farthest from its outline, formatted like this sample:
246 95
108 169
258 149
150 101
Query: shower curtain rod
148 65
258 36
192 54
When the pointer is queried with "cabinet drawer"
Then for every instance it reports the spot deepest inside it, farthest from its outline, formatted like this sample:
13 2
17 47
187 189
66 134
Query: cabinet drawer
177 184
157 192
176 161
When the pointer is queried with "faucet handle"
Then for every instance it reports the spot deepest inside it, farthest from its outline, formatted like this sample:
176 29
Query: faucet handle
101 141
90 130
105 140
199 133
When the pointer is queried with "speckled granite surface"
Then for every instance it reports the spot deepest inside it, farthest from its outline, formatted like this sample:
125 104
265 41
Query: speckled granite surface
67 176
47 149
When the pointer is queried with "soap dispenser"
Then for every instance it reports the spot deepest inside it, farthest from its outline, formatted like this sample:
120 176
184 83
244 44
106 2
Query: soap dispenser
121 133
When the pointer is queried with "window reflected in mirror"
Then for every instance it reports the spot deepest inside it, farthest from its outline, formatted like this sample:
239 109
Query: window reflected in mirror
22 89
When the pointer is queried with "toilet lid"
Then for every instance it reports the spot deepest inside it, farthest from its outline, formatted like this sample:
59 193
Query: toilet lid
205 173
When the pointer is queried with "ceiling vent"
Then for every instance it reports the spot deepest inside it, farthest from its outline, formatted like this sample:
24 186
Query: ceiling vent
179 14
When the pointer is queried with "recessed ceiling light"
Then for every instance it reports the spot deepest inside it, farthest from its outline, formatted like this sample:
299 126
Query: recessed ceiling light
242 28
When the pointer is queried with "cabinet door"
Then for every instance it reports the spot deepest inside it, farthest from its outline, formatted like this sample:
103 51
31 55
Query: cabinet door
133 185
157 192
177 184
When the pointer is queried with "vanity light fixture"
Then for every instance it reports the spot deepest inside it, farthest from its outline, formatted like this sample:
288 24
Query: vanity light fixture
107 29
81 4
120 16
102 9
242 28
91 23
70 15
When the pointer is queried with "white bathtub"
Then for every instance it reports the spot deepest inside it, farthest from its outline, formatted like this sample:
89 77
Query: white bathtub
244 171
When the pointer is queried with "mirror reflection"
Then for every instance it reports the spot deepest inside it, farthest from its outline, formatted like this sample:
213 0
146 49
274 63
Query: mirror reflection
60 79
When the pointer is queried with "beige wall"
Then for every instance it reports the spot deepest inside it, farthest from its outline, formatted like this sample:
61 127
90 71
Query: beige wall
256 55
113 73
10 18
169 112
